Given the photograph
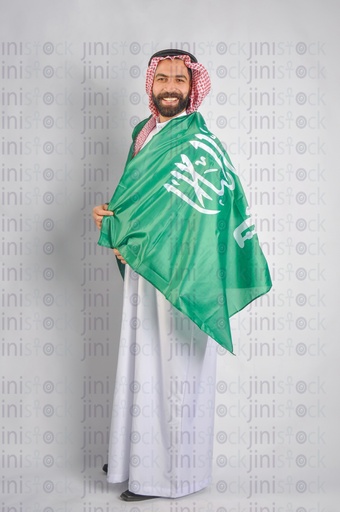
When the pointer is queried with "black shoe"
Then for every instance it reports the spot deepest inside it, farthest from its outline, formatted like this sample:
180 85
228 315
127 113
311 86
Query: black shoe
105 468
131 496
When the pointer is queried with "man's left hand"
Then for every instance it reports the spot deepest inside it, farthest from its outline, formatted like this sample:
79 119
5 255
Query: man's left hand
119 256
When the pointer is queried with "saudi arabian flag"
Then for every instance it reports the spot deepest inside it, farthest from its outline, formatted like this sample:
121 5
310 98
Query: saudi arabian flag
181 221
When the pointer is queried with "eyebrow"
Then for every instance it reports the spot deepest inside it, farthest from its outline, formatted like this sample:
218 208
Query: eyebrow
167 76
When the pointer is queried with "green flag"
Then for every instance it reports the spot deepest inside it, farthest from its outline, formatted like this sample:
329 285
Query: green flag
181 221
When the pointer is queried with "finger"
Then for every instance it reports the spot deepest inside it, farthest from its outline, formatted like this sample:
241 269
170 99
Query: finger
119 256
98 221
100 211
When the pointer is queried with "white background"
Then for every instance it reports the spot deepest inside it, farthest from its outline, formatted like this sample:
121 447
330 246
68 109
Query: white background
277 402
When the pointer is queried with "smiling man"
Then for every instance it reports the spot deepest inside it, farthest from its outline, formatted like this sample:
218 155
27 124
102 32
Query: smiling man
179 226
171 88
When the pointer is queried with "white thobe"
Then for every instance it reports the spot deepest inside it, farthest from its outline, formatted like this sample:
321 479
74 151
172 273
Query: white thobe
161 436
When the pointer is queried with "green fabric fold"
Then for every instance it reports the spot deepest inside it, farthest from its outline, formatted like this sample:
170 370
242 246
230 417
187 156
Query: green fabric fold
181 221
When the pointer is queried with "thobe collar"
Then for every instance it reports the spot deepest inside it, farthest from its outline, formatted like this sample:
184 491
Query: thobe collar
159 126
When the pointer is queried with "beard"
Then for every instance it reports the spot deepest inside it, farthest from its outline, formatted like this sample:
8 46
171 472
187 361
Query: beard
171 110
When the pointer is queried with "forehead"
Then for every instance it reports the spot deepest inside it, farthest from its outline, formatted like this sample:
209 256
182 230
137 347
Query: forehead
172 68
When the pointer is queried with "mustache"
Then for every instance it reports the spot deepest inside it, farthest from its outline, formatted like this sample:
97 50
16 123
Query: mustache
163 95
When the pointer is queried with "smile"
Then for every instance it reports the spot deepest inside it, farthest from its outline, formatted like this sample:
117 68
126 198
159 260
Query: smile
170 100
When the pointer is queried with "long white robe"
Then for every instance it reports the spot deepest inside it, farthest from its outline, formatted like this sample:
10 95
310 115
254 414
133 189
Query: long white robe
161 435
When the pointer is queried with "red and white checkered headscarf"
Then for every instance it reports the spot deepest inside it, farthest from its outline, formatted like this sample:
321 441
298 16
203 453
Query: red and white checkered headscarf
200 87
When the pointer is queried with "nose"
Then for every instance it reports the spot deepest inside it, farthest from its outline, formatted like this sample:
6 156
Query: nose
170 84
171 89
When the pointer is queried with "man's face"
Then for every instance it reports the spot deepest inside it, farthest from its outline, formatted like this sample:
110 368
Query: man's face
171 88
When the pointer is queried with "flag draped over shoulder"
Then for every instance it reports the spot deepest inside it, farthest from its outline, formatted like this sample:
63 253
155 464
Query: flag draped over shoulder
181 221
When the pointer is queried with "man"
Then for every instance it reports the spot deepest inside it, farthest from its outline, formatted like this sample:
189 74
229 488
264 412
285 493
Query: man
163 412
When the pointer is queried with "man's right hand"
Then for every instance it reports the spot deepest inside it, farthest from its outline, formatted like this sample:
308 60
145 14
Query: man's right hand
98 212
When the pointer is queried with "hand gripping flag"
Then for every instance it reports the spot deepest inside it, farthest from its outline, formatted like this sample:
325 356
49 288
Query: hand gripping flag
181 221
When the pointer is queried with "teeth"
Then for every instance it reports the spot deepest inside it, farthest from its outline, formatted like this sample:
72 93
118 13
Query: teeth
170 99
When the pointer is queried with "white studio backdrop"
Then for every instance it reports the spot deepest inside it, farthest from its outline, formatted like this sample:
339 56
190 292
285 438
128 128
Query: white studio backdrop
72 89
